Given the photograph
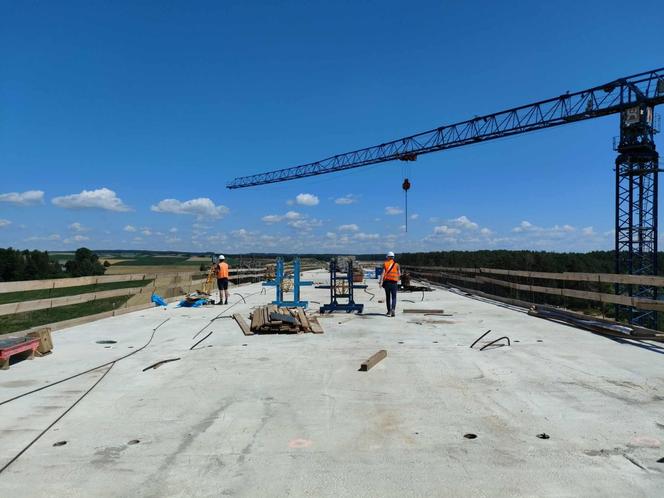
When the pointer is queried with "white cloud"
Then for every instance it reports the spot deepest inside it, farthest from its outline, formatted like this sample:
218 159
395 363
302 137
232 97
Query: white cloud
588 232
307 199
201 207
464 222
445 230
27 198
392 211
53 236
414 216
77 227
173 230
172 240
102 198
346 199
276 218
4 223
146 231
524 226
349 228
129 228
76 238
331 235
486 232
366 236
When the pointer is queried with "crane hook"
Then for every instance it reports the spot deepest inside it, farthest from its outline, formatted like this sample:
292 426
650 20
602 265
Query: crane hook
406 186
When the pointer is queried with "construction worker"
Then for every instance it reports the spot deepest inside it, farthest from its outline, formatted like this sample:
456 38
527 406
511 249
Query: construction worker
389 280
222 279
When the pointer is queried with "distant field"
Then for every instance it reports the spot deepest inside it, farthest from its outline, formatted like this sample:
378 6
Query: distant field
199 259
113 261
125 270
157 261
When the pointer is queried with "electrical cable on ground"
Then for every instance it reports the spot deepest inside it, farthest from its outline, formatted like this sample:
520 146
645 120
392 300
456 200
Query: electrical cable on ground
87 371
371 293
26 448
221 315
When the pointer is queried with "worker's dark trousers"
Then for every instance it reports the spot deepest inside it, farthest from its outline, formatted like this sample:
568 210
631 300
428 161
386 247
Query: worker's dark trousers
390 294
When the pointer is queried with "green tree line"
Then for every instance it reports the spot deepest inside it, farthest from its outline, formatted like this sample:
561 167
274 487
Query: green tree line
34 265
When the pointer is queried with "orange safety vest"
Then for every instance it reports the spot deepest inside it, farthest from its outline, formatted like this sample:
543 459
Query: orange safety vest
391 270
222 270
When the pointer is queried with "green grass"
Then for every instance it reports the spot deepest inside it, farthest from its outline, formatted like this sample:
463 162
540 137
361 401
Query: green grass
17 297
22 321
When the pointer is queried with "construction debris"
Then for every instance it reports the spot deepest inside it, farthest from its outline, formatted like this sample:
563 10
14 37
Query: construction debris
272 319
373 359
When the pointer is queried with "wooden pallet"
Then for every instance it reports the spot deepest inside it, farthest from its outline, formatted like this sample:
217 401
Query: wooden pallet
271 319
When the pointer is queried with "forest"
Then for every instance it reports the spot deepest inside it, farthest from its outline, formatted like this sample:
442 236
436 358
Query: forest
34 265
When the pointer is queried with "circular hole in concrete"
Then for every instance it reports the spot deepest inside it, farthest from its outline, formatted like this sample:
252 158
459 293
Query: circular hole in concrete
60 443
134 441
544 435
470 435
107 341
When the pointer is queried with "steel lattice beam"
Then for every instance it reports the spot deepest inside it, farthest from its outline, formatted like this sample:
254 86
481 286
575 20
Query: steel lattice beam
643 88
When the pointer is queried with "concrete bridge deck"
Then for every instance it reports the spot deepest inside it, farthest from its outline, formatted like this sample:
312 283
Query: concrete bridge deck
291 415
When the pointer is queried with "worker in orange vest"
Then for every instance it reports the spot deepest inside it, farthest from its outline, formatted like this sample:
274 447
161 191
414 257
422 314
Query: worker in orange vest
389 280
222 279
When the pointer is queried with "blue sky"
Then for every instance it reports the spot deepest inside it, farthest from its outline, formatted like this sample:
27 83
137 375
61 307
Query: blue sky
121 122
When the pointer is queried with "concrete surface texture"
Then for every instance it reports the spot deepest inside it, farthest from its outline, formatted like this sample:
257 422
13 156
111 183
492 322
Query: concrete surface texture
291 415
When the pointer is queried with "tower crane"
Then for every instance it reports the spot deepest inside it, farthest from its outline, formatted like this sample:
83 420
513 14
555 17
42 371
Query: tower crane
636 166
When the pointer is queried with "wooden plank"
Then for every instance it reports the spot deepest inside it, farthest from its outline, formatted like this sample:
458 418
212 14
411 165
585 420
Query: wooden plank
372 360
315 325
246 330
304 321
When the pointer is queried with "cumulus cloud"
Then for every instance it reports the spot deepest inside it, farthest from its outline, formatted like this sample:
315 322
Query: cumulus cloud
352 227
4 223
276 218
346 199
173 230
27 198
392 211
588 232
306 200
366 236
77 227
526 226
445 230
102 198
414 216
201 207
53 236
464 222
76 238
129 228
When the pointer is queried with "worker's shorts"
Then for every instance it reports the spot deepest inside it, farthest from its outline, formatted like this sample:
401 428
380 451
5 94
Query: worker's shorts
222 283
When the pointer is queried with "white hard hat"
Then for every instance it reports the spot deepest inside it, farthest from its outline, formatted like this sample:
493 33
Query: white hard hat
390 254
221 256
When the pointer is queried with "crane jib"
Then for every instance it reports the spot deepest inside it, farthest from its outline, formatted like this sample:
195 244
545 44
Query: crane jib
645 88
